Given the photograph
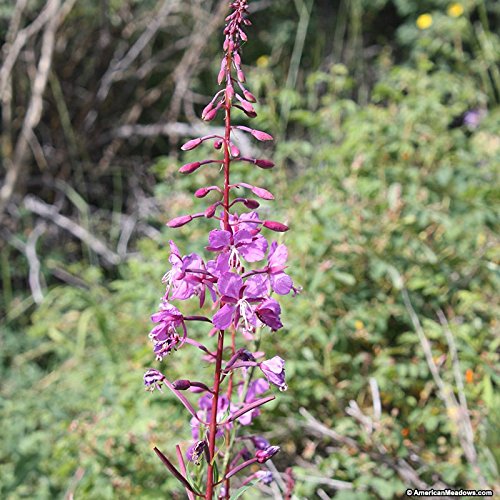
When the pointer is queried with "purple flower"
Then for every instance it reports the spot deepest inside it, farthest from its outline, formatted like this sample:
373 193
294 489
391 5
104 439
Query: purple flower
274 370
194 452
153 380
473 117
280 282
249 221
265 455
238 298
269 313
187 277
205 414
164 335
260 442
252 247
266 476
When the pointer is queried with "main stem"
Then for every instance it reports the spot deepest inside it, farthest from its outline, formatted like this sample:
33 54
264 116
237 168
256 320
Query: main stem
213 418
220 343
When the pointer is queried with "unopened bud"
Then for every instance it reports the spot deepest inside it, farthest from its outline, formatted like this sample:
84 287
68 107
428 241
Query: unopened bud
264 163
210 211
249 96
179 221
275 226
206 110
211 115
265 455
202 192
217 144
235 152
181 385
222 71
193 143
252 204
261 136
190 167
247 106
262 193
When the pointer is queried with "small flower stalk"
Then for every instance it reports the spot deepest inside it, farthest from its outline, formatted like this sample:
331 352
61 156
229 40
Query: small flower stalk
239 285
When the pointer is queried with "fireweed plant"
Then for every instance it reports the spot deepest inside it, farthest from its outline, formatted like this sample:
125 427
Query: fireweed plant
241 279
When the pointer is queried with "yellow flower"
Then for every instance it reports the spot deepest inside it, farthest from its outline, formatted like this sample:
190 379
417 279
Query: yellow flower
358 324
263 62
424 21
455 10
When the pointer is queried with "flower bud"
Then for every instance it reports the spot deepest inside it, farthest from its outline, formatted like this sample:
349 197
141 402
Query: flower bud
247 106
222 71
201 192
242 34
207 109
210 211
230 92
264 163
265 455
262 193
249 96
261 443
210 115
261 136
217 144
181 385
190 167
193 143
251 204
235 152
237 58
179 221
241 75
275 226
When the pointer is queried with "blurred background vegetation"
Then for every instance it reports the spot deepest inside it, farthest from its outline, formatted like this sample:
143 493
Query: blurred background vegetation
386 119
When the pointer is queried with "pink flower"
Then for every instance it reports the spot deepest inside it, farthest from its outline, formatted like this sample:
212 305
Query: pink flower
238 299
274 370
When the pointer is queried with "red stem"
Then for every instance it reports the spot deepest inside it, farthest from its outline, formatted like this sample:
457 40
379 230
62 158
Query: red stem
227 187
213 418
220 344
227 156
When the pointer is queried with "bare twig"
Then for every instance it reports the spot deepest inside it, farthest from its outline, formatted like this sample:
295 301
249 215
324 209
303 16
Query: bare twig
457 412
466 425
377 405
117 67
34 262
400 466
355 412
12 49
51 17
334 483
187 65
50 212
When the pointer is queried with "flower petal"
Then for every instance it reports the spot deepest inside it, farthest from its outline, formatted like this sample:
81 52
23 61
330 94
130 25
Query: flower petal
223 318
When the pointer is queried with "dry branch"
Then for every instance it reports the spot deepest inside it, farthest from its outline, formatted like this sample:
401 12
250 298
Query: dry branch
51 213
